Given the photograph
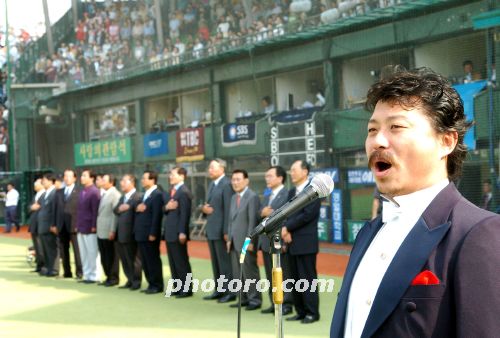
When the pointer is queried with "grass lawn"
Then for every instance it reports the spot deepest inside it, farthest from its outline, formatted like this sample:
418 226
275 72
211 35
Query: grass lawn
34 306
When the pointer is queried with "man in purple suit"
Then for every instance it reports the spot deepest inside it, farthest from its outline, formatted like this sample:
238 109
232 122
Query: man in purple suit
86 220
428 267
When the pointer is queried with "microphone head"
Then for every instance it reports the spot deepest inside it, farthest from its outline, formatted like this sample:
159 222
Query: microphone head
322 184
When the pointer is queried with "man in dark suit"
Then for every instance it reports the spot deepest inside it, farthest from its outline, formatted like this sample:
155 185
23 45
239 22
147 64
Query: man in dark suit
33 223
300 233
47 227
147 231
243 218
217 210
275 179
66 206
429 266
125 241
176 228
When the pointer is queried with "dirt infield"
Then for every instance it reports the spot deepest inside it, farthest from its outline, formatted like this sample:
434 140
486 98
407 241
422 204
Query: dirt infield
328 262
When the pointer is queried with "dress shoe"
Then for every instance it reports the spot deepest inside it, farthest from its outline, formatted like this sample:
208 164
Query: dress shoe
152 291
309 319
251 307
67 276
184 295
295 318
36 270
110 283
244 304
135 287
268 310
89 282
227 299
127 285
52 274
213 296
286 310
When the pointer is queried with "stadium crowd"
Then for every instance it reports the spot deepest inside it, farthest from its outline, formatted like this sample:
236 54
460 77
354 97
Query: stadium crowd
125 227
120 35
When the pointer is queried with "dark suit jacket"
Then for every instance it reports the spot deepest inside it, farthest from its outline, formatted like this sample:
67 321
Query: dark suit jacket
303 225
47 213
66 210
33 218
125 220
278 201
243 219
177 221
460 244
149 222
219 198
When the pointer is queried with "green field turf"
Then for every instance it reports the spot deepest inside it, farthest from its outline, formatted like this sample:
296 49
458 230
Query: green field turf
34 306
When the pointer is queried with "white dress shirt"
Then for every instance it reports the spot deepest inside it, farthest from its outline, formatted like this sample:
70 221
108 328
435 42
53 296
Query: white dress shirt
128 195
12 198
275 193
38 195
301 187
49 190
381 252
68 190
148 192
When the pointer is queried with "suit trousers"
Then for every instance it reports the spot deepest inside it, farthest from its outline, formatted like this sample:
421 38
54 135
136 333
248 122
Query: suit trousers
250 271
304 267
37 245
109 259
221 261
90 256
65 238
151 263
285 266
131 262
178 260
50 252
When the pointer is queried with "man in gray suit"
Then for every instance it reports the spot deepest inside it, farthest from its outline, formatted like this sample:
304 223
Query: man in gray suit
33 223
126 244
275 179
243 219
106 229
47 227
217 210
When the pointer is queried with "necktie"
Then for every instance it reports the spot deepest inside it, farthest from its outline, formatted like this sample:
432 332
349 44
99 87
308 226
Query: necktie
271 198
66 194
238 199
172 192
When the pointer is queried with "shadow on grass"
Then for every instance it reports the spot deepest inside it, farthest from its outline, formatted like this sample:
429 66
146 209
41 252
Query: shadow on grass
94 305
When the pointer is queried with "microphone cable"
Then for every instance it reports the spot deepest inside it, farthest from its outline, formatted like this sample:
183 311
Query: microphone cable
240 292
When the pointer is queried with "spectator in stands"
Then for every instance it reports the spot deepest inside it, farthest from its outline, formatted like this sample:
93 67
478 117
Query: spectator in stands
487 196
468 69
267 105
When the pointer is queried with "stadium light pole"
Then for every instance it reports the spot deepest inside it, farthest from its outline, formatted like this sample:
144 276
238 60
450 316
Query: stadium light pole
10 117
48 30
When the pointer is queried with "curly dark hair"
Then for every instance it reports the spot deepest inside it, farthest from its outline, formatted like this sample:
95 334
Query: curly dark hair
424 88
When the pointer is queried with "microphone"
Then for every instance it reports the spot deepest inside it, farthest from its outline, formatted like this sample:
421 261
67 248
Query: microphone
321 186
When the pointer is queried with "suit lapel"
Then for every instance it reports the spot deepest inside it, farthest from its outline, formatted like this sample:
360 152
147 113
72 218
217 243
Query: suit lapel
411 257
362 243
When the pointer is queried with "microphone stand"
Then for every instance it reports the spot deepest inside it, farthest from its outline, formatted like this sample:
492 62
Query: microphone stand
277 282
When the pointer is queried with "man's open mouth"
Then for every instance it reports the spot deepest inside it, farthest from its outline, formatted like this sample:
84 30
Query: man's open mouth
381 165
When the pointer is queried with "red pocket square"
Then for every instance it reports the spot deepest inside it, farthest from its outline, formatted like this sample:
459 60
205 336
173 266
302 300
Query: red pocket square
425 278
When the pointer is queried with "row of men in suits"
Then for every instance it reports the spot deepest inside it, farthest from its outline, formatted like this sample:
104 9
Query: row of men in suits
99 221
233 210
